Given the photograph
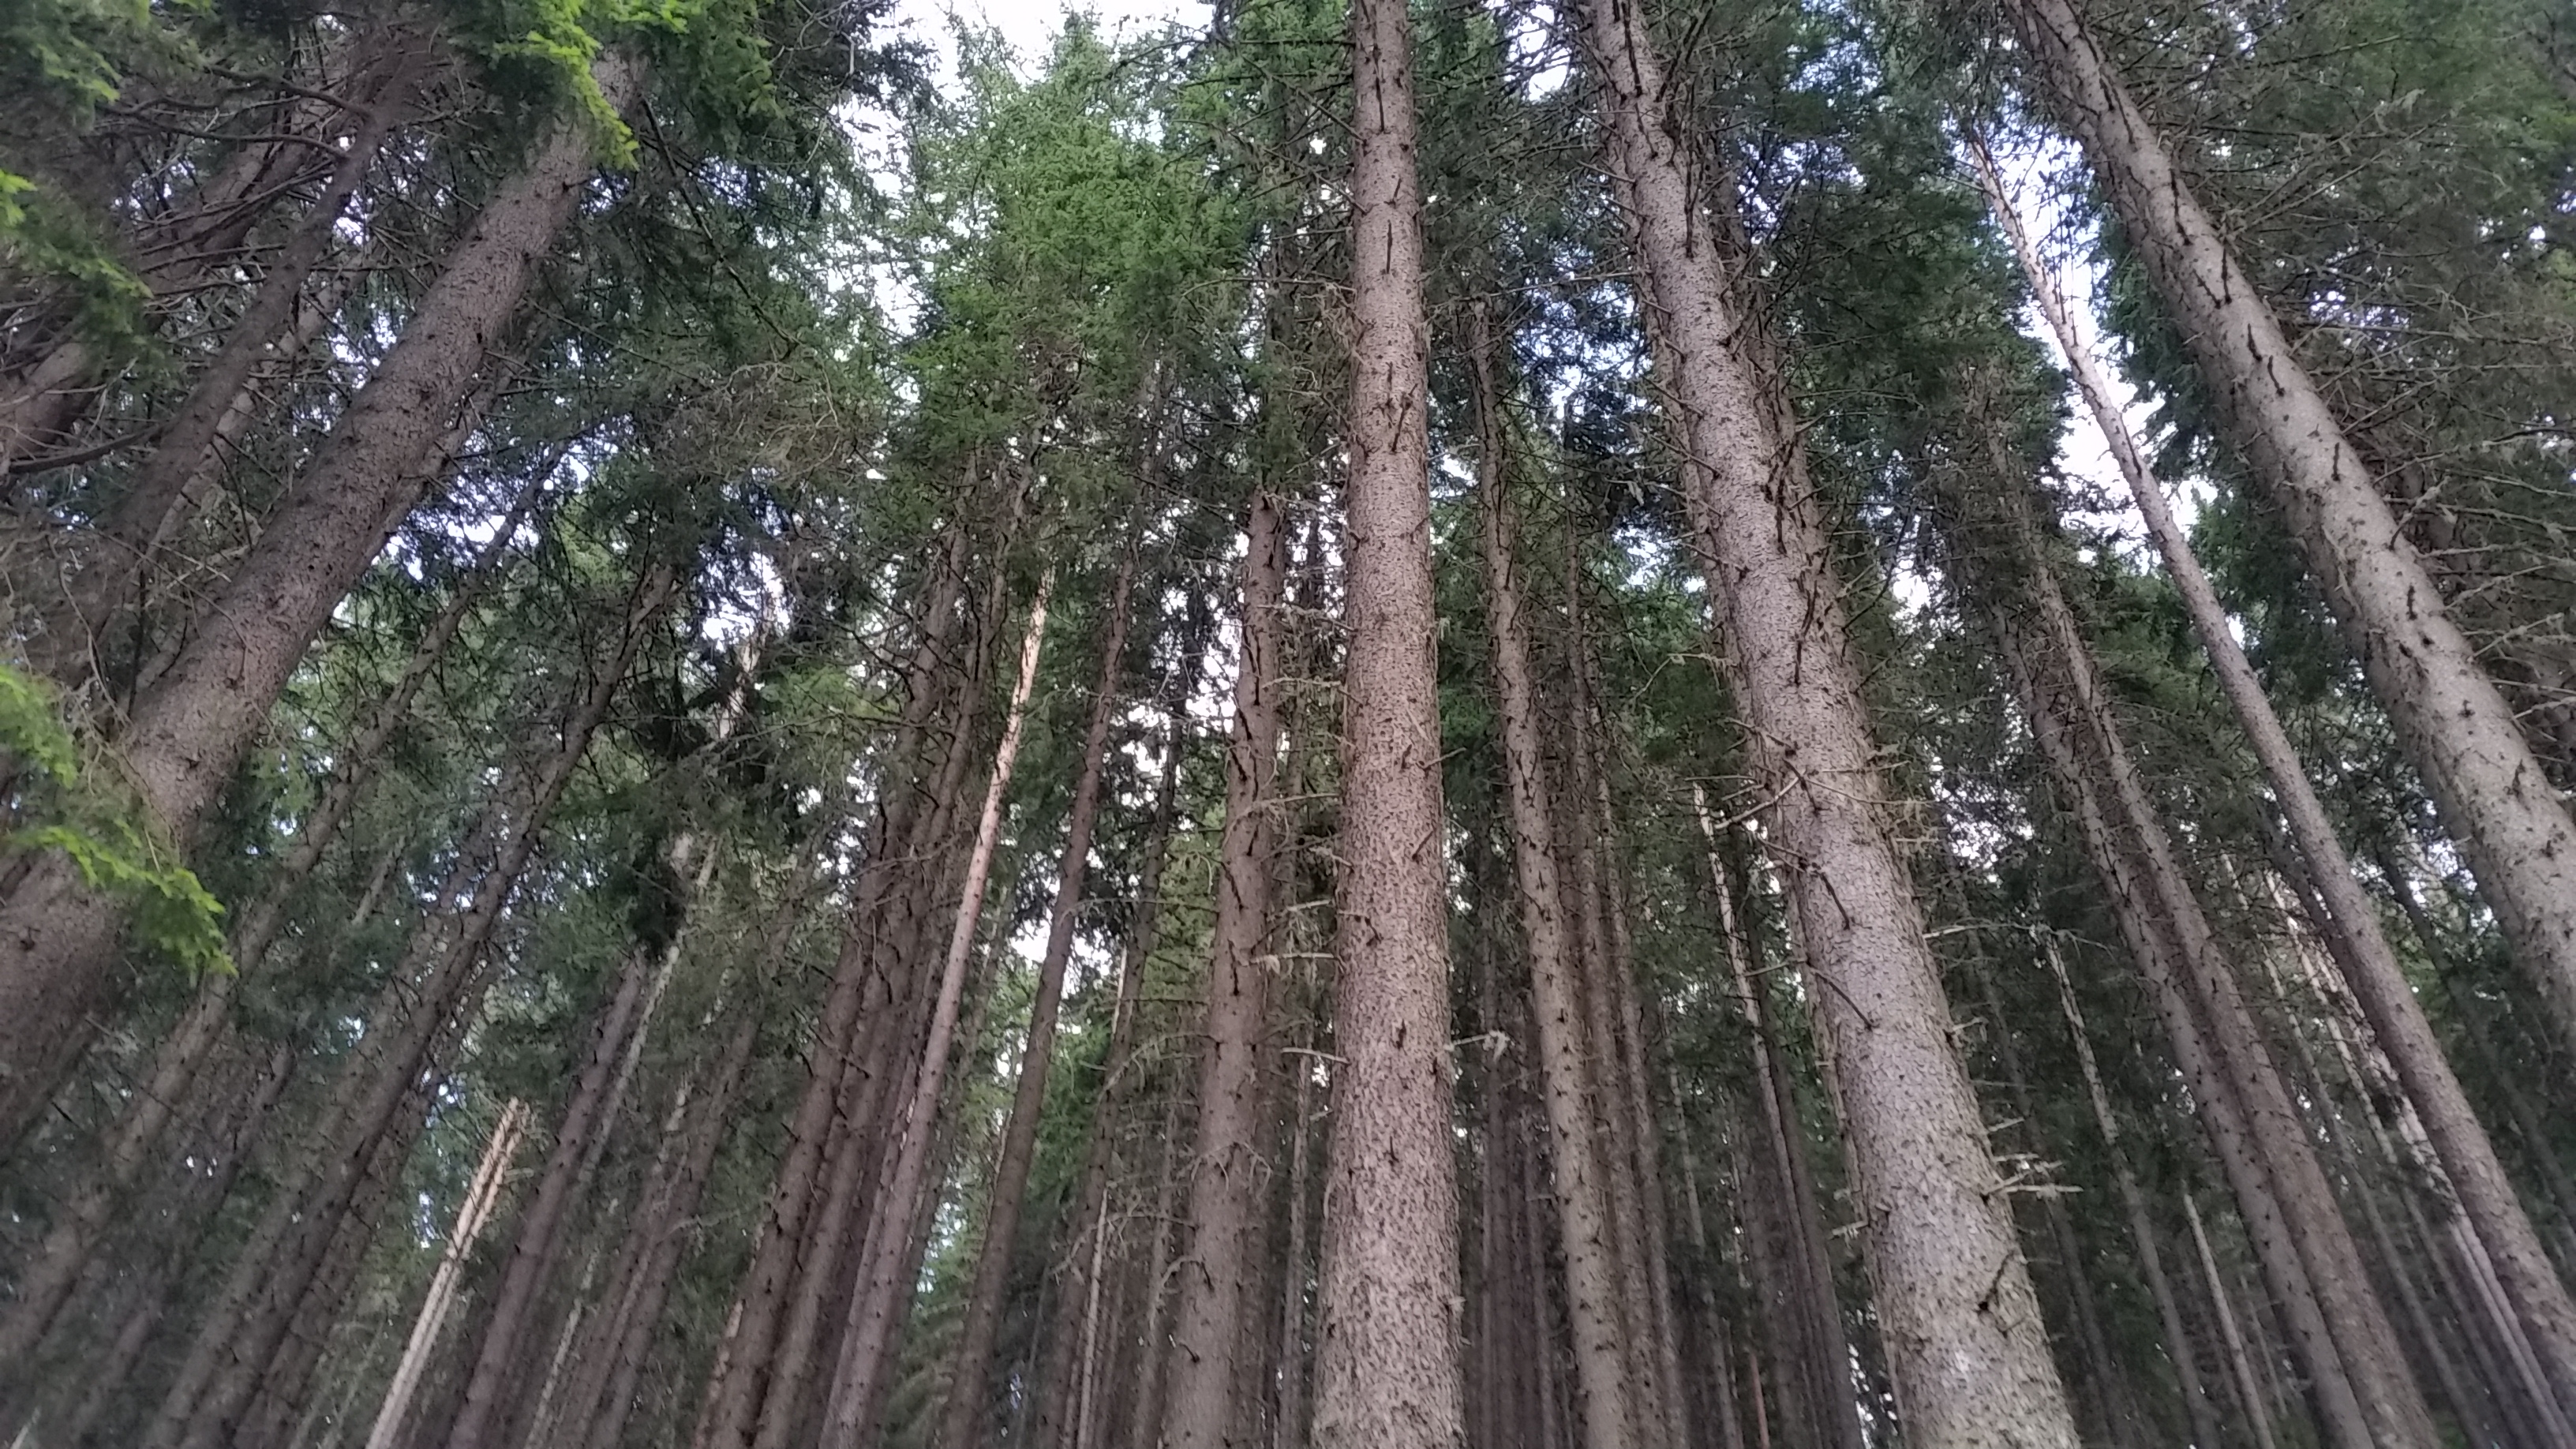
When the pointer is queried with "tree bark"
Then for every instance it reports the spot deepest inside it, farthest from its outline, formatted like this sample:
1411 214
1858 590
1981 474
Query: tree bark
1969 1356
1386 1365
968 1410
1222 1216
856 1397
2378 983
2455 724
1602 1352
197 721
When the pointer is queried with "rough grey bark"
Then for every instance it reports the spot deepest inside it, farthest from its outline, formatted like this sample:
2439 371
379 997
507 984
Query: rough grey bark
1602 1351
198 719
856 1396
2454 722
1221 1216
1965 1345
969 1410
2388 1002
1386 1365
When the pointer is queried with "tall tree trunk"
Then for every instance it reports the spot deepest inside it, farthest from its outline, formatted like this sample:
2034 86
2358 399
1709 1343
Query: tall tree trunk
234 1343
856 1397
1997 544
1222 1215
480 1196
2455 724
587 1115
1602 1352
2274 1213
2240 1362
1059 1385
2142 1230
103 582
1814 1344
54 1270
1386 1365
968 1410
2370 967
1961 1323
742 1371
196 722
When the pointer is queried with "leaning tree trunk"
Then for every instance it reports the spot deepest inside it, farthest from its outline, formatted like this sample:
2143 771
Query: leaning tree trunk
480 1197
1222 1218
968 1409
1386 1368
2337 1331
587 1116
1961 1322
1603 1354
2455 724
856 1396
117 557
2142 1230
46 1284
2388 1002
198 720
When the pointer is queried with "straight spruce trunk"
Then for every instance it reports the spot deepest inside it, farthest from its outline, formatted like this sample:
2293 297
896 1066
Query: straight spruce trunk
856 1396
1961 1324
968 1409
1605 1397
1386 1364
2454 723
1222 1215
2370 967
197 721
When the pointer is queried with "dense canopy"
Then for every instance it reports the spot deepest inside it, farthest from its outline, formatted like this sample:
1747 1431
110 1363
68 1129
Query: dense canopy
1613 724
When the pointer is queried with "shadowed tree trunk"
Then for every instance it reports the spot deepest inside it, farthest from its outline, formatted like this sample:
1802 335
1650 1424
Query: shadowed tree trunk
856 1396
2388 1002
968 1410
1602 1352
